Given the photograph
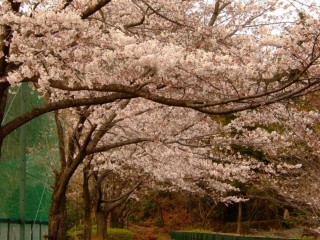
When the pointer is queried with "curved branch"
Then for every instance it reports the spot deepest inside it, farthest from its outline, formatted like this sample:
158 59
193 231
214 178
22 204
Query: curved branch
202 106
216 12
67 3
161 15
127 194
17 122
95 8
116 145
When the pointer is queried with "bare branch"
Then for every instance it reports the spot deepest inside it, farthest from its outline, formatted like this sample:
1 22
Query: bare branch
128 193
93 9
61 140
17 122
67 3
15 5
116 145
135 23
163 16
216 12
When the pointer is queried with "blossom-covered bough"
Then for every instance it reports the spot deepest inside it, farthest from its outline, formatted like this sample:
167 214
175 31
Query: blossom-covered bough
215 58
144 76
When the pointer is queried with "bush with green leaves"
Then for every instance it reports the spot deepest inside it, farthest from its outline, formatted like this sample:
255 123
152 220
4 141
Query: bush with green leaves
119 234
113 233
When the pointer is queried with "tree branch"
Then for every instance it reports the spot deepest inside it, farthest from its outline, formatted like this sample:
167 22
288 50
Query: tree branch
216 12
67 3
127 194
161 15
17 122
61 140
116 145
135 23
95 8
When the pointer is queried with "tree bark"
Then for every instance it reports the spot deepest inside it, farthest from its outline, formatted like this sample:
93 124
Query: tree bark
4 86
87 223
58 213
239 223
3 99
63 104
116 218
102 218
3 102
95 8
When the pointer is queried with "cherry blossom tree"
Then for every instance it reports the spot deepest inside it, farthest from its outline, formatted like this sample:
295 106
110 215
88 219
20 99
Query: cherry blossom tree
108 138
288 135
199 154
112 192
217 58
145 75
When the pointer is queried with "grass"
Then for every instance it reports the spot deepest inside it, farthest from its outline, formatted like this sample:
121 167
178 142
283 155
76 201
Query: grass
113 233
198 230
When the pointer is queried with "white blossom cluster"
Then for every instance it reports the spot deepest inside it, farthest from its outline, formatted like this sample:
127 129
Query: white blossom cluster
190 62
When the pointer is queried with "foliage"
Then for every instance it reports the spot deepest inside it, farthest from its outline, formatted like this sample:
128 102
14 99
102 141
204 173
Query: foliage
249 151
224 119
135 219
148 206
74 214
159 222
113 233
119 234
199 230
309 238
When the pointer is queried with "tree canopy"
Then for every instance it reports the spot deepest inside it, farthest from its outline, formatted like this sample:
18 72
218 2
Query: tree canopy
200 93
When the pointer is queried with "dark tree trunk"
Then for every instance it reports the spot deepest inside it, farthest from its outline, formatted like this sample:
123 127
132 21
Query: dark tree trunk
58 213
87 223
3 102
6 34
3 98
239 222
102 219
116 219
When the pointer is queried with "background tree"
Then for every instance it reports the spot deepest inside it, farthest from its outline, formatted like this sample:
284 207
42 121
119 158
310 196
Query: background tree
203 156
288 136
127 136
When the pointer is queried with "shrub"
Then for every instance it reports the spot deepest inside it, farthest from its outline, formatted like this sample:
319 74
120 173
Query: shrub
135 219
113 233
159 222
119 234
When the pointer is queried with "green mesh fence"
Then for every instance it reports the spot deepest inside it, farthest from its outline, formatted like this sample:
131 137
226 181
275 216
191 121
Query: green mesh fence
42 154
212 236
